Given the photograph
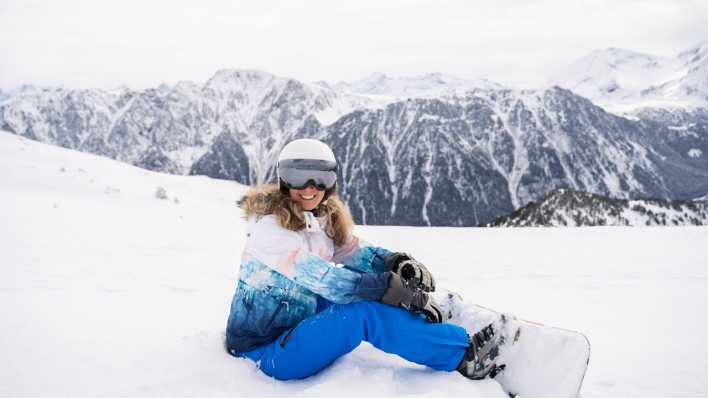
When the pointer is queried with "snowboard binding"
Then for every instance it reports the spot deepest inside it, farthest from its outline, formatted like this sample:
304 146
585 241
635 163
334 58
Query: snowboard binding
515 353
480 360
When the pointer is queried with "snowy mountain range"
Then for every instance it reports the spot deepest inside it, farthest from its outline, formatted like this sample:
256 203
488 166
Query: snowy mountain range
468 160
426 150
431 85
178 129
623 80
565 207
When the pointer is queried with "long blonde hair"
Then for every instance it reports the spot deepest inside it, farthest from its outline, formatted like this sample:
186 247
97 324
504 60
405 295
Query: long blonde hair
268 199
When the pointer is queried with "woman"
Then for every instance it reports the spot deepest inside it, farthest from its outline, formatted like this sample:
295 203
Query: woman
309 291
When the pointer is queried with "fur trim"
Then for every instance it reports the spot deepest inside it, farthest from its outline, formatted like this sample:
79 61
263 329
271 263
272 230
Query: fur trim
268 199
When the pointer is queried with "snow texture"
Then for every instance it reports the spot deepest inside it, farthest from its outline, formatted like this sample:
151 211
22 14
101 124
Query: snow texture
107 291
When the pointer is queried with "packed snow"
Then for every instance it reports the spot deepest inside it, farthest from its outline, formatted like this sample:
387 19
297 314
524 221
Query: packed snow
107 290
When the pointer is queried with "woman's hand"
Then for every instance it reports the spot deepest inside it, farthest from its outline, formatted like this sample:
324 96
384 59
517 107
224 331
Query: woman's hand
400 294
411 270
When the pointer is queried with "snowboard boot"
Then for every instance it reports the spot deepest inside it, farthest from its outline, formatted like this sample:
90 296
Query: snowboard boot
480 359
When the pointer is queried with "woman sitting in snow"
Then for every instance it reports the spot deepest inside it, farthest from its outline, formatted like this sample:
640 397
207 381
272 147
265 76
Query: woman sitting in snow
309 291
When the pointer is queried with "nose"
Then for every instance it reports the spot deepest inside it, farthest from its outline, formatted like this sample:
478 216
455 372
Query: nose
309 189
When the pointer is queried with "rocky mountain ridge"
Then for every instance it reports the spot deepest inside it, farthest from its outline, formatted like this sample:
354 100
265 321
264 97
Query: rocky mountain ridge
467 160
580 209
174 129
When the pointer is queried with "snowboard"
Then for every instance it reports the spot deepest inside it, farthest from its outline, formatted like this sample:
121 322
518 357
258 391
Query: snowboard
540 361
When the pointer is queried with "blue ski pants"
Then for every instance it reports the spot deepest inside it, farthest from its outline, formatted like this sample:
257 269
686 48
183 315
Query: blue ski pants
319 340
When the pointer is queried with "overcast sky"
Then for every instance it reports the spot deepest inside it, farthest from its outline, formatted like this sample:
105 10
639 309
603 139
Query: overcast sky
140 43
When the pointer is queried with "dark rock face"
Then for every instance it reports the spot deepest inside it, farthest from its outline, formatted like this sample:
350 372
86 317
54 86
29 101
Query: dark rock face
225 160
580 209
155 159
465 161
679 139
414 163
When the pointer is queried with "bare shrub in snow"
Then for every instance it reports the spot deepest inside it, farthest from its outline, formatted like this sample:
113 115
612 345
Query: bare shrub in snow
161 193
111 191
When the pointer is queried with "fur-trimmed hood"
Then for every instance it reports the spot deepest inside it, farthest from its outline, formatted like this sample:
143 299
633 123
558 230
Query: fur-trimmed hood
268 199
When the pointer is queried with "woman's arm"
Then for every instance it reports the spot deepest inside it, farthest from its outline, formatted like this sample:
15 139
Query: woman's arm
361 256
281 250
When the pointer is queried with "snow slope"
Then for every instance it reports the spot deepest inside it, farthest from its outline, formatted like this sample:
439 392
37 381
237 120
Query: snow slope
106 290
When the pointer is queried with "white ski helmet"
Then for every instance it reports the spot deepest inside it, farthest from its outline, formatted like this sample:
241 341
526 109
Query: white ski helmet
307 161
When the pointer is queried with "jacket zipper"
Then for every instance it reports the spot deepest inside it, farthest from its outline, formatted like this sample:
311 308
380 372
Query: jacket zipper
308 229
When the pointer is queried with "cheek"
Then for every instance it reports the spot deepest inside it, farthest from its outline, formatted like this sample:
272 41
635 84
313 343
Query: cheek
319 198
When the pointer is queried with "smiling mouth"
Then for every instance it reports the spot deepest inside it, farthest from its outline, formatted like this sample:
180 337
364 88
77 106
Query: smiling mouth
307 197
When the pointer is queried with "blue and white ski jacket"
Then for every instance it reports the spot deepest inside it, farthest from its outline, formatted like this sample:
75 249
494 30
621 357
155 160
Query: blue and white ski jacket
287 276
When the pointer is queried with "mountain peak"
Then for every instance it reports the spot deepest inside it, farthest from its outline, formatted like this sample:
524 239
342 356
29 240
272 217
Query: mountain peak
377 76
229 76
251 81
428 85
623 80
614 57
700 49
236 72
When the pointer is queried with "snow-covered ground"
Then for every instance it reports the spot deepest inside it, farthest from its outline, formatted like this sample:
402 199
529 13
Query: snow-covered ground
106 290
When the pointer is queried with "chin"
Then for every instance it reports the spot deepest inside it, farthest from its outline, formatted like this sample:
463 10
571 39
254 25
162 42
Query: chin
310 207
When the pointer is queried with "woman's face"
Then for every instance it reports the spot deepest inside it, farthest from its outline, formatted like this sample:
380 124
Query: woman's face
308 198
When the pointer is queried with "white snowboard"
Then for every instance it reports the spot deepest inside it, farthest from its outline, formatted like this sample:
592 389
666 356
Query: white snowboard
541 361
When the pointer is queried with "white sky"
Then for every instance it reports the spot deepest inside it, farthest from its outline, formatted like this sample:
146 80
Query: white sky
141 43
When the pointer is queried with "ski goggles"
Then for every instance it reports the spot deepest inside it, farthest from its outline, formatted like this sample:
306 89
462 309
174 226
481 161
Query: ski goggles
299 173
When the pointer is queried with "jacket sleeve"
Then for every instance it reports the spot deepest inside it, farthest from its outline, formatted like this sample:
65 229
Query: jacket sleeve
361 256
282 251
